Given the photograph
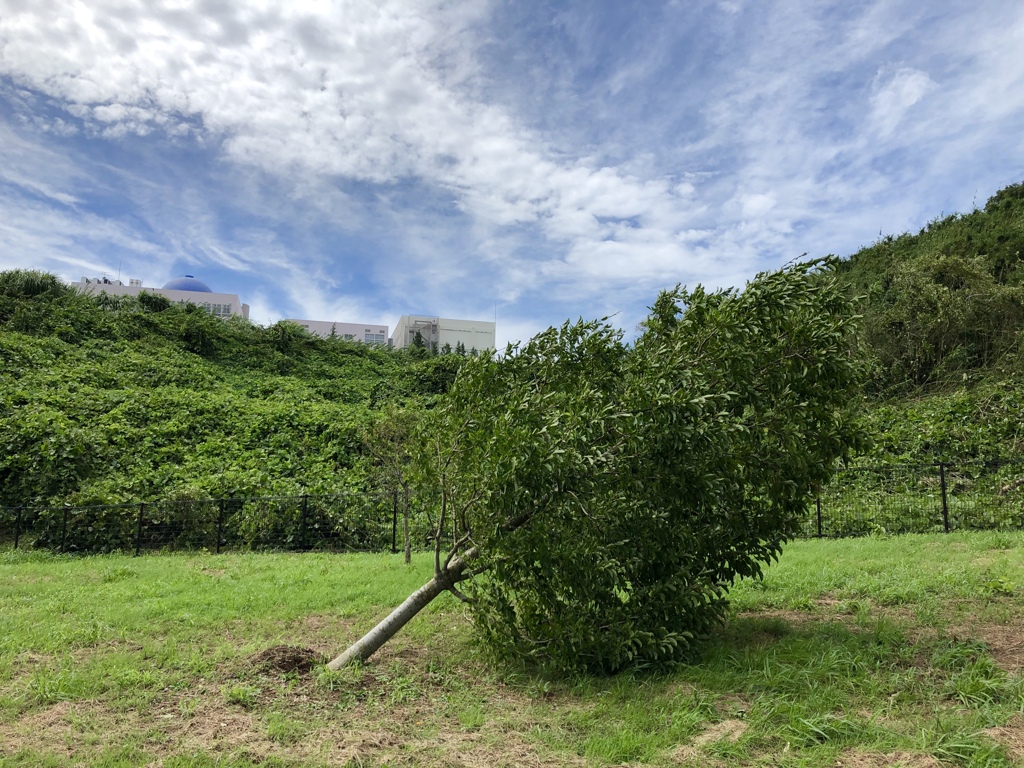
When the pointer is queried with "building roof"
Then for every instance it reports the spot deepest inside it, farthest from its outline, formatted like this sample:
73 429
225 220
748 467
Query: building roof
187 283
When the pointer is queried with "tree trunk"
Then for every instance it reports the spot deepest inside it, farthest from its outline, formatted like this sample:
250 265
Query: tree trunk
369 643
408 541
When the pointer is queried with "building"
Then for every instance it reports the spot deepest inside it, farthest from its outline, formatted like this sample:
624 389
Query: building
439 332
186 288
364 332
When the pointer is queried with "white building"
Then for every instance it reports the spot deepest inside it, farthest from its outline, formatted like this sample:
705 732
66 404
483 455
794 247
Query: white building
437 332
185 288
368 334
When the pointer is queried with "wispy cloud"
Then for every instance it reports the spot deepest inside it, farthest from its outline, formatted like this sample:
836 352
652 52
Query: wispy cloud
384 156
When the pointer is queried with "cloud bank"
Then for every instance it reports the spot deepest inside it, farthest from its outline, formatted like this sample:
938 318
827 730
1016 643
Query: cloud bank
451 156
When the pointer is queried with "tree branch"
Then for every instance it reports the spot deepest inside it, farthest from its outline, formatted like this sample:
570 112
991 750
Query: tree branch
454 550
462 596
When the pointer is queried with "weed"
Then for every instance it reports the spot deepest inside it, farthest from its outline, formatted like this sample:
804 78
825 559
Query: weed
978 684
342 679
472 717
284 729
998 586
117 573
245 696
808 731
401 687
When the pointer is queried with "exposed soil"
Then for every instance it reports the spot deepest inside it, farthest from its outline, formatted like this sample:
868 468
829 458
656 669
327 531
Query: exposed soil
286 658
728 730
856 759
783 614
51 720
221 729
1010 736
832 604
732 706
1005 643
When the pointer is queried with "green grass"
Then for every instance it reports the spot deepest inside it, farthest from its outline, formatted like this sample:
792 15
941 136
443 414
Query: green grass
861 652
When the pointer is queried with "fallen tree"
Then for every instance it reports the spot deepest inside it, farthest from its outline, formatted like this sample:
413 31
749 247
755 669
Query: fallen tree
596 499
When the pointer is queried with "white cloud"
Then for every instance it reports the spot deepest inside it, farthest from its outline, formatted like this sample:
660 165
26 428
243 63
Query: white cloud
353 91
757 204
895 94
757 132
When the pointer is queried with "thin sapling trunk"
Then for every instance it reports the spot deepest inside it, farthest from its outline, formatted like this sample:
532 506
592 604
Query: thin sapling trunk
455 571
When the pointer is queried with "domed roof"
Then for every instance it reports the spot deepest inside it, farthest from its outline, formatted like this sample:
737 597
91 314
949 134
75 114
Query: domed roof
187 283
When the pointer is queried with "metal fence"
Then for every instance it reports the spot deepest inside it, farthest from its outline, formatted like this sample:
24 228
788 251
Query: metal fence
296 523
920 498
892 499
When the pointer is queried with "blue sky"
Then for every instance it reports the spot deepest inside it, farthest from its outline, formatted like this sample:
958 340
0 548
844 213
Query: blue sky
529 160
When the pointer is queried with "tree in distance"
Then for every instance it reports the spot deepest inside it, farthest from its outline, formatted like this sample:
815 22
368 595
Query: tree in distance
596 500
386 443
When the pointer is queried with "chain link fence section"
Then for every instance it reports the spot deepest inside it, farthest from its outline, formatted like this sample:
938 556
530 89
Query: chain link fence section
894 499
338 523
920 498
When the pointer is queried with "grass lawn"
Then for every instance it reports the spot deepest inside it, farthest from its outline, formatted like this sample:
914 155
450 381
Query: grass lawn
858 653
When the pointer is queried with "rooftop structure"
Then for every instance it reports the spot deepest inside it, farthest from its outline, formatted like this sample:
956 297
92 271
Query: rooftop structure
363 332
186 288
437 333
186 283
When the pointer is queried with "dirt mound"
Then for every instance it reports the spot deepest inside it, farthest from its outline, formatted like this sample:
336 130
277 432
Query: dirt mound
286 658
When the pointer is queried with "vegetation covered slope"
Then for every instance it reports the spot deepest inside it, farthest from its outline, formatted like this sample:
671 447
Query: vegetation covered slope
112 399
107 399
943 333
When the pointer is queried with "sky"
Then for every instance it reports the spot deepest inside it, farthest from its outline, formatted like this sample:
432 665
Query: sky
524 161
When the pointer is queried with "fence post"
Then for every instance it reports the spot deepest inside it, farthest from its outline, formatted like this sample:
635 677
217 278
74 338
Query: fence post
64 528
817 504
17 526
302 522
220 524
138 529
394 522
945 500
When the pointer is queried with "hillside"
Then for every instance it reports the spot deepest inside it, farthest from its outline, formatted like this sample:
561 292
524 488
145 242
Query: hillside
943 336
124 399
106 400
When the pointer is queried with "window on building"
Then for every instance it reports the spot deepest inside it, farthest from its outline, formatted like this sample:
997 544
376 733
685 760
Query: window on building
218 310
375 338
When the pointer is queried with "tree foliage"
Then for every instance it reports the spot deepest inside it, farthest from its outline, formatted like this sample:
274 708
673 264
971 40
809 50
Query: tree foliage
944 306
609 494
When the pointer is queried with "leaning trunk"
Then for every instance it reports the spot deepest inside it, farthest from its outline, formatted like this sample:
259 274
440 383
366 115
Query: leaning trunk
368 644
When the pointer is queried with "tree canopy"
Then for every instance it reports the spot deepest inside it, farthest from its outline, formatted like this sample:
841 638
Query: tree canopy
600 498
946 305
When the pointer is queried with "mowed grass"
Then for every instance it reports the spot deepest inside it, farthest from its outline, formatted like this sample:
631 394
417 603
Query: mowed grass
868 652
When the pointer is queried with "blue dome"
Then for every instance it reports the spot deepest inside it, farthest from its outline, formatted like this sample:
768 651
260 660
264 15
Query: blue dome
187 283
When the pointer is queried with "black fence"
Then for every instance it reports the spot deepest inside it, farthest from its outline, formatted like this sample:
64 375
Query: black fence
296 523
885 499
920 498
